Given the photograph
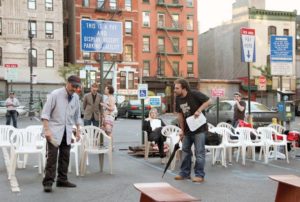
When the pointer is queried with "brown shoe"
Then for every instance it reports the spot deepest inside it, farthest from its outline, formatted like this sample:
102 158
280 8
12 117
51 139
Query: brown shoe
198 179
179 177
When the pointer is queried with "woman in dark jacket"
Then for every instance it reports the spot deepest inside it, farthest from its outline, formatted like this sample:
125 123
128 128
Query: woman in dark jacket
153 125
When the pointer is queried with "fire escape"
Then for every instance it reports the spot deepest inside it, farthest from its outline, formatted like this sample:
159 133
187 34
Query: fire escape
169 29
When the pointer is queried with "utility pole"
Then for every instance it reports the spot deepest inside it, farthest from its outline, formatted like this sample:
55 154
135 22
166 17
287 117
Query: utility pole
30 36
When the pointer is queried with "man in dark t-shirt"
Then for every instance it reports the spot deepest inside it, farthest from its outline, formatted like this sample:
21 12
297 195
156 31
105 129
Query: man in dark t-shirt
191 103
239 109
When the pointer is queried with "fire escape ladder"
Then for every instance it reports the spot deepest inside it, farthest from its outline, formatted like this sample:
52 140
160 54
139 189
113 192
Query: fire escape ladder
169 62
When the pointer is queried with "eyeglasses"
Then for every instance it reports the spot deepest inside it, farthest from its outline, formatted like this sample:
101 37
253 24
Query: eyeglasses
75 86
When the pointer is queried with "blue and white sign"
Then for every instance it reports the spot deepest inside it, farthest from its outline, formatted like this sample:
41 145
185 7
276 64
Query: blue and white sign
101 36
155 101
247 45
142 91
281 57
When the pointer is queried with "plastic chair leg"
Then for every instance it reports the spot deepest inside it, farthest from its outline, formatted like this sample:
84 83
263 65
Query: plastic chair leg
101 160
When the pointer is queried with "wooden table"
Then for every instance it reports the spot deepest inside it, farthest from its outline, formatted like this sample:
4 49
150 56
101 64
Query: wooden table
288 189
162 192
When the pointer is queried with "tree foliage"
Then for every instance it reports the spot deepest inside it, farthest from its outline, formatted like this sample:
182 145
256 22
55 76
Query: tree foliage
67 70
265 71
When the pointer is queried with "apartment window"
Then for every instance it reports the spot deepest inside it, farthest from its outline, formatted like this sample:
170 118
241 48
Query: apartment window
161 68
0 26
85 3
31 4
190 46
189 3
175 42
130 80
146 1
49 58
271 31
161 44
128 27
128 5
285 32
146 68
190 22
146 43
122 80
175 68
113 4
1 56
128 53
32 28
49 5
86 55
49 30
146 19
32 56
100 3
175 18
175 1
161 20
190 69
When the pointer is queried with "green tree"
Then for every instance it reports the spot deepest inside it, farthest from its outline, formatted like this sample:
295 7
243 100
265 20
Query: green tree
67 70
265 71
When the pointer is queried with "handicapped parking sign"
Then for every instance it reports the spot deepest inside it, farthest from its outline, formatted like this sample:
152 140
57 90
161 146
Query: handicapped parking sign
142 91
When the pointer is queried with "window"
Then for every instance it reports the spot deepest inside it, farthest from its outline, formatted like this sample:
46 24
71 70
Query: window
122 80
146 68
190 22
161 20
0 26
285 32
175 42
86 55
85 3
128 53
271 31
175 19
32 56
49 30
146 43
1 56
130 80
175 1
49 5
128 5
161 68
175 68
161 44
146 19
113 4
128 27
31 4
100 3
32 28
49 58
189 3
190 69
146 1
190 46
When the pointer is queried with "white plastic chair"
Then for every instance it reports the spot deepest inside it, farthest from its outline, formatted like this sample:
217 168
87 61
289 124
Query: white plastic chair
279 128
147 144
210 126
226 125
245 133
75 147
5 133
24 142
91 144
267 134
216 150
171 133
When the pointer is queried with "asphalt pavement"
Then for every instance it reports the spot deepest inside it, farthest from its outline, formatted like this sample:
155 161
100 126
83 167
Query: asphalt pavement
236 183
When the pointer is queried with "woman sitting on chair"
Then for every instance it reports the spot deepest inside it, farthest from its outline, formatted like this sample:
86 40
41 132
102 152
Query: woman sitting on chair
153 125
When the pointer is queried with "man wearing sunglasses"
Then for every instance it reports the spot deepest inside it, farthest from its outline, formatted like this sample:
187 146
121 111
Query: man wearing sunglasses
60 113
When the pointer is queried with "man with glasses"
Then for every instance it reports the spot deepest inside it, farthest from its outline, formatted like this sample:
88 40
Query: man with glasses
238 109
60 113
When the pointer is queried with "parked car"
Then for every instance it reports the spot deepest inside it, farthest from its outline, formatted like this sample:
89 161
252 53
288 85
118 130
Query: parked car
261 114
132 108
20 109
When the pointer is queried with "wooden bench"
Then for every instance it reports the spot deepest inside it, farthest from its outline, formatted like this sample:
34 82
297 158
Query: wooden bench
288 188
162 192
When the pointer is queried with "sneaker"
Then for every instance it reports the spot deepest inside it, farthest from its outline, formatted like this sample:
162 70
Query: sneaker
198 179
65 184
48 187
179 177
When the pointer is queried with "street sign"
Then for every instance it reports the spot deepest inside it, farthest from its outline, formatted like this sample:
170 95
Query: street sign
11 65
11 74
262 83
101 36
218 92
155 101
248 45
142 91
281 56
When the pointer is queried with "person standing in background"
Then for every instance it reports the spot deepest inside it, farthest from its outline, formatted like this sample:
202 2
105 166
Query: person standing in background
11 103
92 107
109 105
238 109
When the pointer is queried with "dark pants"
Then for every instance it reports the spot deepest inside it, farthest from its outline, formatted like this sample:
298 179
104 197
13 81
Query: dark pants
90 122
63 161
159 139
11 114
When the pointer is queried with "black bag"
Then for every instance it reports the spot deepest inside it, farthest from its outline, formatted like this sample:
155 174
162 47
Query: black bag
213 138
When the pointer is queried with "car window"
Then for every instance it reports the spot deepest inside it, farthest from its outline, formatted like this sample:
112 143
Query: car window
2 103
224 106
259 107
135 102
213 108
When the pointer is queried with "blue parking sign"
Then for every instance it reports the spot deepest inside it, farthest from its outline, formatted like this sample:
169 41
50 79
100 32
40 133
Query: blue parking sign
142 91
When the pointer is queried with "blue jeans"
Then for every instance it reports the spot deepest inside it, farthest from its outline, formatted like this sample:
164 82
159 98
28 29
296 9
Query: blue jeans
11 114
199 143
90 122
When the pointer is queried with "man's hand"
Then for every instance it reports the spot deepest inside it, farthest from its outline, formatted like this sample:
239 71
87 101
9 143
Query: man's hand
48 134
197 113
78 135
